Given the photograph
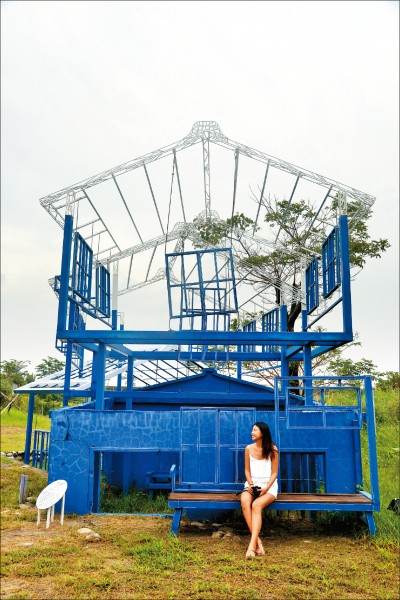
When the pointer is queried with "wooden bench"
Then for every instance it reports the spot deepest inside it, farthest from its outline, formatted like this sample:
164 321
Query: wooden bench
181 500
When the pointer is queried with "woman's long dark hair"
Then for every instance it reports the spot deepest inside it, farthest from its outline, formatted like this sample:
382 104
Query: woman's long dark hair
267 444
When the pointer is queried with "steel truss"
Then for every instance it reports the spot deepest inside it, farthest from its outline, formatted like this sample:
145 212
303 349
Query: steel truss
107 248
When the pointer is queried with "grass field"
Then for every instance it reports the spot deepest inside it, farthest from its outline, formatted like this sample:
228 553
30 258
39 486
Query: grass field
135 558
13 426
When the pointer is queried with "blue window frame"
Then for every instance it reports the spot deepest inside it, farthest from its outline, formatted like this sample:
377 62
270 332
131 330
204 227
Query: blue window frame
103 290
331 263
82 268
203 287
312 286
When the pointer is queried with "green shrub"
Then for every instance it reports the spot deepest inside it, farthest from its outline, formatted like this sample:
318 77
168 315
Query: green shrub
112 500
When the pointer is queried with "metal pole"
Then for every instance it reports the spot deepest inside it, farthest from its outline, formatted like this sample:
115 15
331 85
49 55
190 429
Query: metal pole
114 307
371 432
344 255
64 279
100 364
129 382
283 325
29 423
307 374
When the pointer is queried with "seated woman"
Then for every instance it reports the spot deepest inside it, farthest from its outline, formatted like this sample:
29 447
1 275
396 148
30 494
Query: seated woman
261 487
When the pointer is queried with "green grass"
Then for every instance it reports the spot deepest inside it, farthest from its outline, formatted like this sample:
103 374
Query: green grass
387 435
13 427
11 471
17 418
135 501
136 559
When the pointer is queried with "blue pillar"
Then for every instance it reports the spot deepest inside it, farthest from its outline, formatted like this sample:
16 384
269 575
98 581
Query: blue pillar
129 382
239 364
65 269
307 374
304 318
99 365
29 423
121 328
283 325
67 374
371 432
68 356
119 381
345 274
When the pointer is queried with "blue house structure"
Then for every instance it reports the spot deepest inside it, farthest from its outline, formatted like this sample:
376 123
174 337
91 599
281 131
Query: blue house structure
173 408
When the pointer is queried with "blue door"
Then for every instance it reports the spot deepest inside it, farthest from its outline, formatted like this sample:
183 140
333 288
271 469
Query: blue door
212 446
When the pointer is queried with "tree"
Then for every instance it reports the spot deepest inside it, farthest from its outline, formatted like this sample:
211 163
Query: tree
48 366
347 367
13 374
390 380
321 364
282 266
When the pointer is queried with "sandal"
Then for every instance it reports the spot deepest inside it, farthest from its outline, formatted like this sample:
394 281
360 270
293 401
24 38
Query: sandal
250 553
260 548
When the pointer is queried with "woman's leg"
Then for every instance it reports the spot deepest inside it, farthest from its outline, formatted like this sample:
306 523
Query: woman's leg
256 513
246 500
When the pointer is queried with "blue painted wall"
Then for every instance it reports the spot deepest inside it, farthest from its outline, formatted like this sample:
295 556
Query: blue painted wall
209 441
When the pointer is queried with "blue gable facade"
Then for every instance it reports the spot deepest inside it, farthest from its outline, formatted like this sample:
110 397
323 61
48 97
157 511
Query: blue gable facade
202 424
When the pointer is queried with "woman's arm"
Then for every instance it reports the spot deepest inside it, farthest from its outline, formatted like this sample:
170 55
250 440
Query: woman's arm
274 472
247 472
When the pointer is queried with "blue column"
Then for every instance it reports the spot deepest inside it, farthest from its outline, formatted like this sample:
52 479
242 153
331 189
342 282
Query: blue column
119 382
67 374
100 367
65 269
345 274
283 325
281 394
307 374
239 364
371 432
29 423
129 382
304 318
121 328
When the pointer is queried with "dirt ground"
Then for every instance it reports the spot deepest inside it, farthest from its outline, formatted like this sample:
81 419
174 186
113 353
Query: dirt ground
136 558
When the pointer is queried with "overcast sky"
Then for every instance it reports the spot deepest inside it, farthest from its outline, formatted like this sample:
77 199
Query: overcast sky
87 86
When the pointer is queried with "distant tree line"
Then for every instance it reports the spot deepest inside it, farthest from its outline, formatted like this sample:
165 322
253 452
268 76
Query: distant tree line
14 374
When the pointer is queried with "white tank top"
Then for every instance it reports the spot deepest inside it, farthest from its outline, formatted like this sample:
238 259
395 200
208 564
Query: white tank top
260 470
